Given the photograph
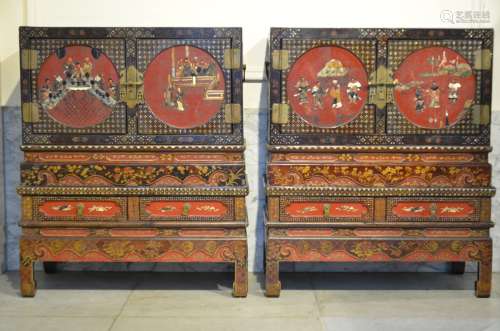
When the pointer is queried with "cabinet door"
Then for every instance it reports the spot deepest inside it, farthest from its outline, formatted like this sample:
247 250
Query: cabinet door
380 86
441 89
71 86
131 86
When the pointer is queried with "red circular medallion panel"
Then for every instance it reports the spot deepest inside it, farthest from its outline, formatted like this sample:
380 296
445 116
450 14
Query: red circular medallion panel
327 86
184 87
77 86
434 87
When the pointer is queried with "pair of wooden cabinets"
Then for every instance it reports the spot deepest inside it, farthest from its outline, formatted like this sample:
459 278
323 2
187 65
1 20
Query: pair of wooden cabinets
133 144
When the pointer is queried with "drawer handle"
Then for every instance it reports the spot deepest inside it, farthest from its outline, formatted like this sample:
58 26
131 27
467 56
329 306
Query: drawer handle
433 210
326 210
79 209
185 209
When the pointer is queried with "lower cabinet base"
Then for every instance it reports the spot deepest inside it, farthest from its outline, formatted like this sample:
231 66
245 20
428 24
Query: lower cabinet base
320 249
106 249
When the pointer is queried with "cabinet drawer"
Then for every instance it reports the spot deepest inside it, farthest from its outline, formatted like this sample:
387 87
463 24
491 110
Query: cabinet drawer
306 209
75 209
441 209
187 208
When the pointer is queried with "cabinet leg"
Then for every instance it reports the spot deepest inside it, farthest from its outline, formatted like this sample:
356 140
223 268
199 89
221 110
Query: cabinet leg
240 285
273 284
27 279
27 258
50 267
457 268
483 284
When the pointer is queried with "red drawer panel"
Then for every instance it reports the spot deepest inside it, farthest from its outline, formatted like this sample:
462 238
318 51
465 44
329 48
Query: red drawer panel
304 209
79 208
187 208
428 209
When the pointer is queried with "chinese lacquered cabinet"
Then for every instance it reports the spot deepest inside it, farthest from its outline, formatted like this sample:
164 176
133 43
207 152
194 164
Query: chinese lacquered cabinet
133 147
378 148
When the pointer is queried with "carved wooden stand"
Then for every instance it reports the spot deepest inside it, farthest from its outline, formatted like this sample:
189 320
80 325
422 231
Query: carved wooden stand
382 232
281 248
93 224
232 249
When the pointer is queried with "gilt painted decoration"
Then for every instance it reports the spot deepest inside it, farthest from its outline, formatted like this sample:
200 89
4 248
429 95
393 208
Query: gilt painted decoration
434 87
327 86
184 87
77 86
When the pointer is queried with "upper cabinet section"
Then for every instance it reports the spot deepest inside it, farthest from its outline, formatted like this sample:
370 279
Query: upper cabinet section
380 86
131 86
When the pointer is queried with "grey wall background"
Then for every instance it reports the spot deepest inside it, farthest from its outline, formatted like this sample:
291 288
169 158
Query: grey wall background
255 134
2 200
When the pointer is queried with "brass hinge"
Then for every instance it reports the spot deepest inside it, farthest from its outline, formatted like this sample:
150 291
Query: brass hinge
280 59
232 113
131 86
381 87
232 58
280 113
29 59
481 114
483 59
30 112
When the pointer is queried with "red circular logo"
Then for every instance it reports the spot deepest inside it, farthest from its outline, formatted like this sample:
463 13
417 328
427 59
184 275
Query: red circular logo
327 86
433 87
184 87
77 86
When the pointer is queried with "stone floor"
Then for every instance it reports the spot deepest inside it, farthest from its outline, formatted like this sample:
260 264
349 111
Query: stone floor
202 301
